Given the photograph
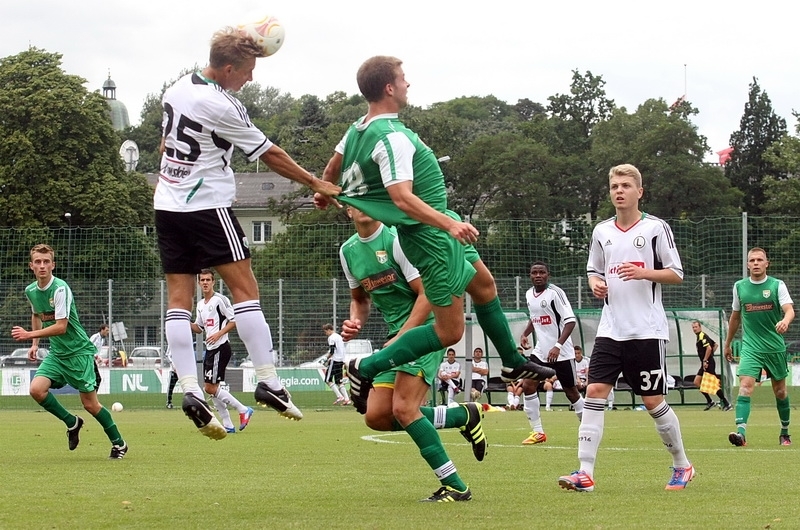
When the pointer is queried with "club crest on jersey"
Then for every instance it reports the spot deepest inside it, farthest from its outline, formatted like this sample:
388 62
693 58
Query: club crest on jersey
766 293
543 303
381 256
638 242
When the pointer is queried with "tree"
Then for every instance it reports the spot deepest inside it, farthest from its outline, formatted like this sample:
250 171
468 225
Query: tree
782 196
59 152
759 128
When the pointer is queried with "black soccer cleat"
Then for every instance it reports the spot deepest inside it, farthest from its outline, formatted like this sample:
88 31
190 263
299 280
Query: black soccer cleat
737 439
117 452
73 434
199 412
473 430
527 370
280 400
448 494
359 386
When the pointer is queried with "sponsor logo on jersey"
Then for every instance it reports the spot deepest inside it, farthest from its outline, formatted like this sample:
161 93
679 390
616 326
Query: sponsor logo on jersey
752 308
378 280
638 242
543 320
614 270
47 317
766 293
381 256
209 322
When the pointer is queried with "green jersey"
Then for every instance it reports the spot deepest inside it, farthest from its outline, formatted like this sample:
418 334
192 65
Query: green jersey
759 305
378 265
383 152
55 302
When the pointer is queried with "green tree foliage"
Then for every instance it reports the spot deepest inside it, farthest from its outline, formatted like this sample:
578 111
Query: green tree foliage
782 196
59 152
759 128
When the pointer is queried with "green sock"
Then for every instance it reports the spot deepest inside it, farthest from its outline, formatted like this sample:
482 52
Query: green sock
742 413
408 347
783 413
494 323
107 422
432 450
51 405
454 416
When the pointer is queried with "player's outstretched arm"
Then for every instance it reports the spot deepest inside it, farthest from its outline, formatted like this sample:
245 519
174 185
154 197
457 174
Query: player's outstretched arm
281 163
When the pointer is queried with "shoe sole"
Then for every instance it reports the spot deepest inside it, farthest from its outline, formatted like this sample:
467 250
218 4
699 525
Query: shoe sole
530 370
265 398
77 434
534 442
736 440
197 410
248 415
682 486
479 445
571 486
213 430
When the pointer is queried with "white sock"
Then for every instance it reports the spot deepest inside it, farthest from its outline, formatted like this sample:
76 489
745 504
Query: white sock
222 410
254 332
178 331
578 407
549 399
510 399
343 390
669 429
335 389
227 398
532 411
590 433
451 393
516 401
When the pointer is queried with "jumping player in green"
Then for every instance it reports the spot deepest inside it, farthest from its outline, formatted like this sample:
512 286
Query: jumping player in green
71 359
387 172
762 305
378 272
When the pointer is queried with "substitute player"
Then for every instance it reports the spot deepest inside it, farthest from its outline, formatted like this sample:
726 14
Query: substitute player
335 365
630 257
215 318
552 319
71 359
196 226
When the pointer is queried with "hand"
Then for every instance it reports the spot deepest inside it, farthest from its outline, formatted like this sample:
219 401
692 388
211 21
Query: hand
600 289
552 355
524 342
350 329
325 188
629 271
18 333
728 354
781 327
465 233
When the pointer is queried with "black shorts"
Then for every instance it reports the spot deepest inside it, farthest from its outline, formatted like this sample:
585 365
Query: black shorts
215 362
712 367
334 372
478 384
566 372
642 363
190 241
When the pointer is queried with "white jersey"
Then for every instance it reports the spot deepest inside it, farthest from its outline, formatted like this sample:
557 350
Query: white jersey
202 124
476 376
98 340
449 368
335 340
582 368
214 315
550 311
633 308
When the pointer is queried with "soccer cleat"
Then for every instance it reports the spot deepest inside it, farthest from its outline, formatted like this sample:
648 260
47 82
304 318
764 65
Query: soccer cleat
244 418
339 401
73 434
280 400
473 430
737 439
535 438
785 439
117 451
727 407
449 494
681 476
230 430
576 481
359 386
198 411
169 404
528 370
709 406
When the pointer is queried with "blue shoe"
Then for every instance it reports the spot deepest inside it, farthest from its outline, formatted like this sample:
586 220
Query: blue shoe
244 418
230 430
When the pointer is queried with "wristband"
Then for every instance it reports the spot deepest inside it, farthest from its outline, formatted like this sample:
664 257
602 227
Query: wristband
558 345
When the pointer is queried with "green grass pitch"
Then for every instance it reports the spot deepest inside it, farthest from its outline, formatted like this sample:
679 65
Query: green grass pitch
330 471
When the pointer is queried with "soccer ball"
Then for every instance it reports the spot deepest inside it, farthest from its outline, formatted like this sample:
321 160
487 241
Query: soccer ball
116 407
268 33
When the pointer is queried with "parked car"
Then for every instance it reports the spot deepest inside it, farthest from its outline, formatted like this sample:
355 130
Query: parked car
145 357
353 349
19 357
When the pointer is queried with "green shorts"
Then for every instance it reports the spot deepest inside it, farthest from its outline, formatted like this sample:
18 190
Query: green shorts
77 371
776 365
440 259
425 367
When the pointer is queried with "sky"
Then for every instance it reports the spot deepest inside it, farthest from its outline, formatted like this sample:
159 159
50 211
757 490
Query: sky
709 50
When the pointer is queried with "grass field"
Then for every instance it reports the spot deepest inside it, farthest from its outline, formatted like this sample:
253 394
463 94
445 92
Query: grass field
330 471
